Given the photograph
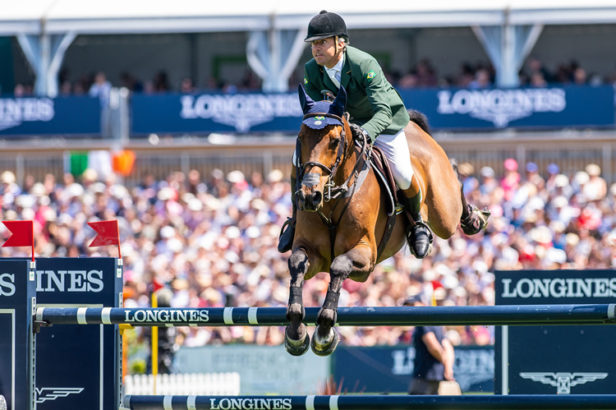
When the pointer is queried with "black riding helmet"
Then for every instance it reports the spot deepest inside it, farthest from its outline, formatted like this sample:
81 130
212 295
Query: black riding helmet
324 25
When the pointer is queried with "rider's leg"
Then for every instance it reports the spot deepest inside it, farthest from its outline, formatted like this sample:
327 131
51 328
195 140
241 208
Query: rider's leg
396 149
287 232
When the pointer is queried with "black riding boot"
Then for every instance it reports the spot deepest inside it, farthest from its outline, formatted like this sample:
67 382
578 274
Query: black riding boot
287 232
419 235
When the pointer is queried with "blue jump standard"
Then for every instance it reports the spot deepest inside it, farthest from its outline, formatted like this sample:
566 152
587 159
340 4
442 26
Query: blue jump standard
347 316
535 402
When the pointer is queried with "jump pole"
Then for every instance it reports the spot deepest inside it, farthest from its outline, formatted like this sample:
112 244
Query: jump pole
355 402
599 314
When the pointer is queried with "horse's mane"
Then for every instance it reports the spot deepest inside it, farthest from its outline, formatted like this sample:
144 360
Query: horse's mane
420 119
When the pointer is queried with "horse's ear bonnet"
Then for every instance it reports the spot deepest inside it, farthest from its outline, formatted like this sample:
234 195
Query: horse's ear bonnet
312 109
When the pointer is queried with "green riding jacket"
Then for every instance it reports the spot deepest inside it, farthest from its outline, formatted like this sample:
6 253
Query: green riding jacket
372 101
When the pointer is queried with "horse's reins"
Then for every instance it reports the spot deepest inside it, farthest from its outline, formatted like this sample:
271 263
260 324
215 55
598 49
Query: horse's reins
334 191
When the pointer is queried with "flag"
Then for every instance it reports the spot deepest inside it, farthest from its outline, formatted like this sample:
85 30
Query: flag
107 233
22 234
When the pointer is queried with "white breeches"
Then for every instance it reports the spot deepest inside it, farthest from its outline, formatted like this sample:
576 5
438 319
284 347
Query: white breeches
396 150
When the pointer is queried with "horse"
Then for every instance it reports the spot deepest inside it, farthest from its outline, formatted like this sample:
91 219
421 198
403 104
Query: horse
342 219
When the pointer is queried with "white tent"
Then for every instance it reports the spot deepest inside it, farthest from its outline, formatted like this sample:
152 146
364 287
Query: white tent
508 29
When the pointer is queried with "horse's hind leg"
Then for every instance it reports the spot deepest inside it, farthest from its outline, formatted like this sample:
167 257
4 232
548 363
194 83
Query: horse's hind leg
357 261
296 336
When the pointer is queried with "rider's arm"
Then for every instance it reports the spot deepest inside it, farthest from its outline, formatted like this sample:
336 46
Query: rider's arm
376 86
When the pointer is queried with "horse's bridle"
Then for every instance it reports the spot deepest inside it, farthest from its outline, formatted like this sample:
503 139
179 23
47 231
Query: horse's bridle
301 168
332 190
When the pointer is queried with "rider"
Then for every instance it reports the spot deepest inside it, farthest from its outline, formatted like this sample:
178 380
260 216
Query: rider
375 109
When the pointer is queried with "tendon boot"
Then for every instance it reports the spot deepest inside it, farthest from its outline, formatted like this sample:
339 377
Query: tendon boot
419 235
287 232
473 220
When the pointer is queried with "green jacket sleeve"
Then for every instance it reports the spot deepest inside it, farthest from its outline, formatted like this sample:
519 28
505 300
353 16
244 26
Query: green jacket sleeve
376 87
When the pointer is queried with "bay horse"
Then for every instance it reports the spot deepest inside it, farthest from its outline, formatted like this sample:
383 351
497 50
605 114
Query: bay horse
342 217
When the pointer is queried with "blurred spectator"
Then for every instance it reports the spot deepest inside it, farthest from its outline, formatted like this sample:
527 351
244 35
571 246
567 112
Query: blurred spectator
101 88
211 240
187 86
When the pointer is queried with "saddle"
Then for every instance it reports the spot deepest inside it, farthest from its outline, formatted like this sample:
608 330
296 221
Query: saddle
382 170
385 177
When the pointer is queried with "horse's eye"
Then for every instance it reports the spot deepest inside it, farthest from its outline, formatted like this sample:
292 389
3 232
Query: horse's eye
333 143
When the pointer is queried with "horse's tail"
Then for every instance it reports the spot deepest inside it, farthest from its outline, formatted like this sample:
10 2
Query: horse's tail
420 119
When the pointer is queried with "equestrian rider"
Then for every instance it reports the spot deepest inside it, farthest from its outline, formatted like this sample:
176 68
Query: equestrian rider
375 109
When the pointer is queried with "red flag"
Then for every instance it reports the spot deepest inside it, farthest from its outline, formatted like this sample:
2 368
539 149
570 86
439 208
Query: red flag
22 233
107 234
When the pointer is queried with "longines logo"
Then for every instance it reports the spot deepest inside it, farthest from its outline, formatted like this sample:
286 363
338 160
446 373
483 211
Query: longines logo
501 106
234 403
241 111
52 393
15 111
163 315
563 381
559 288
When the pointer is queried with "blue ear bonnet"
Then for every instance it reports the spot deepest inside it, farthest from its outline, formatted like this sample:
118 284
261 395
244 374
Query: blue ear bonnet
311 107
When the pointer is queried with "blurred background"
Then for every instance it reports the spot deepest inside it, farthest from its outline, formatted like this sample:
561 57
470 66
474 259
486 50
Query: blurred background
179 119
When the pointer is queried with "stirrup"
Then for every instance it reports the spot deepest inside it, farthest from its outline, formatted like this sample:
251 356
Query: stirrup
475 221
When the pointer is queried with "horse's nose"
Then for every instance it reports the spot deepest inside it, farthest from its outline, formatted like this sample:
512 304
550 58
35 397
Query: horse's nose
314 200
309 201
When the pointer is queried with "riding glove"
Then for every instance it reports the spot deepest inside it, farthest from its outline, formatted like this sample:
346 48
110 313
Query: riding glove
358 131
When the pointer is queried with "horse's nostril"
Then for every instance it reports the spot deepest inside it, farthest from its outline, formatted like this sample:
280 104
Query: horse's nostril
316 198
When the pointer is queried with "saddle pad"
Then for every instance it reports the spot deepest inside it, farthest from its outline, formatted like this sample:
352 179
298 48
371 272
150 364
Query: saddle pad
385 178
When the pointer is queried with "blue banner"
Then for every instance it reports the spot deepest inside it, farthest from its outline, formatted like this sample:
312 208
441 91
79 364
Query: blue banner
446 109
78 115
207 113
486 109
555 359
75 365
17 283
388 369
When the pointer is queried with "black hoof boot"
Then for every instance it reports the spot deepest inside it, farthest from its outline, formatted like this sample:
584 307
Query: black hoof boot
296 347
420 240
475 221
287 233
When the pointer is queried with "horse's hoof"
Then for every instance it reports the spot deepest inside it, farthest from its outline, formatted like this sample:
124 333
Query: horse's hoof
476 221
324 347
296 347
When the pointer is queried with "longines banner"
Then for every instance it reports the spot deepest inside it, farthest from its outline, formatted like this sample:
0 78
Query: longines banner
50 116
388 369
374 369
555 359
456 109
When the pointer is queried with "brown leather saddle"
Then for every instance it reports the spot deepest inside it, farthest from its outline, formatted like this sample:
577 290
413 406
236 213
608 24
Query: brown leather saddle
382 170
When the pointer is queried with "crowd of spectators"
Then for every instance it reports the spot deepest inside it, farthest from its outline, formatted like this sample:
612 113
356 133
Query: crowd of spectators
421 75
211 241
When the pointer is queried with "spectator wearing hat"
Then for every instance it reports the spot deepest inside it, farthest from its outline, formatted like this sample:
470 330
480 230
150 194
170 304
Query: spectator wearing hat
434 356
596 187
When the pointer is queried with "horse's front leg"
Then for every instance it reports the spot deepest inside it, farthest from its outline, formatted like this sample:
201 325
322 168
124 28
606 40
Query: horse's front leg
296 336
359 262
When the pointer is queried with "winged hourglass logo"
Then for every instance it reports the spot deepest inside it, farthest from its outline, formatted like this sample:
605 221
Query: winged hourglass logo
563 381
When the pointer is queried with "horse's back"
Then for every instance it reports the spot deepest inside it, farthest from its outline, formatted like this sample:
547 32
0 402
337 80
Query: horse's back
442 204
